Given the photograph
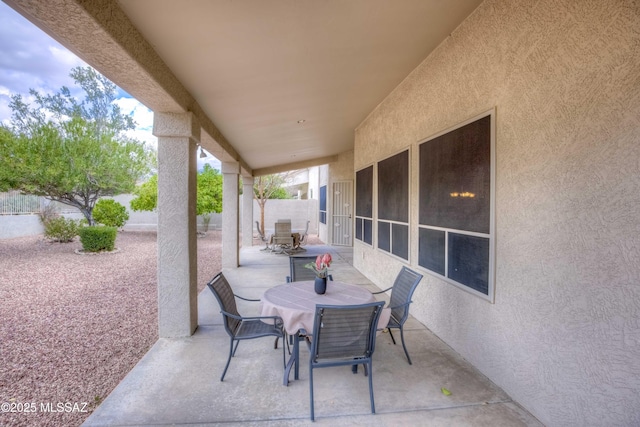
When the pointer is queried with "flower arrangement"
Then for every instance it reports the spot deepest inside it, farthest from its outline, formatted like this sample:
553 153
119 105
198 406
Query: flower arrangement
321 266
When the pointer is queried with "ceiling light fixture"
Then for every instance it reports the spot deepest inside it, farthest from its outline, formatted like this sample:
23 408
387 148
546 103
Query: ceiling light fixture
301 121
202 153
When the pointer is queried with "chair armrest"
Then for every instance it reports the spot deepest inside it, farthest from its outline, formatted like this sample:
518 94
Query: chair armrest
246 299
383 291
277 319
400 305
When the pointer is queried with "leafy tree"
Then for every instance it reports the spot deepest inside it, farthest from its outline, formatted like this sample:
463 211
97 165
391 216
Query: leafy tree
146 195
69 151
110 213
208 199
269 187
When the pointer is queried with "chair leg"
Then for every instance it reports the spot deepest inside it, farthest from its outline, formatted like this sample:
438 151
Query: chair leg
228 360
311 392
234 350
391 335
404 346
284 356
373 406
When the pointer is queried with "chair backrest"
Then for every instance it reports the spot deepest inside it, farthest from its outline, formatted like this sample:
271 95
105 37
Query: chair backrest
224 294
342 333
297 270
401 293
283 229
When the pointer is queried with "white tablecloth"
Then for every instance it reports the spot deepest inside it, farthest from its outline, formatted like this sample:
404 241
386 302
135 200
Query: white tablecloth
296 302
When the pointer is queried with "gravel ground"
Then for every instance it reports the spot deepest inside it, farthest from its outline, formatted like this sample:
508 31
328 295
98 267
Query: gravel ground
72 326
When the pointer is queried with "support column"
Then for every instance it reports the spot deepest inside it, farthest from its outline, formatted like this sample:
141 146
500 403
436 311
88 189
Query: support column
230 215
178 134
247 211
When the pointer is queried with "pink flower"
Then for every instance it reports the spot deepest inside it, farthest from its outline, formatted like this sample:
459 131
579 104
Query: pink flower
321 266
326 260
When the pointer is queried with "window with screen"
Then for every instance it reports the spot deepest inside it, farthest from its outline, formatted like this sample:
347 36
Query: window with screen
364 205
323 204
455 237
393 205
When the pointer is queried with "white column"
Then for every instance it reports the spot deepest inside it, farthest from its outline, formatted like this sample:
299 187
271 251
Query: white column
177 135
247 211
230 215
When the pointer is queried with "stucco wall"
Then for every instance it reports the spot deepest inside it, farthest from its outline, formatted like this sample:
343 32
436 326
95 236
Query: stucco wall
563 336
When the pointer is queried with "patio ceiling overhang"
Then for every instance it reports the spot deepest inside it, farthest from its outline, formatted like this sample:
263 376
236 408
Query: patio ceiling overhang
275 85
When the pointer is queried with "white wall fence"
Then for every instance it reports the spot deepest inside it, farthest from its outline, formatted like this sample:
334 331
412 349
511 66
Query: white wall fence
19 215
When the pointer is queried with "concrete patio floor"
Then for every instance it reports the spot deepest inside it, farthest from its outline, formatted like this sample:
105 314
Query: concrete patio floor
178 380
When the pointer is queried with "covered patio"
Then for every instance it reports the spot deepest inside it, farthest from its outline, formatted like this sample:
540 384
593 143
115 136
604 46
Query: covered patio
541 296
178 381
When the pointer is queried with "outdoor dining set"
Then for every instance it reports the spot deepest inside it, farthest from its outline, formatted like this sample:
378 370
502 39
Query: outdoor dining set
338 323
284 240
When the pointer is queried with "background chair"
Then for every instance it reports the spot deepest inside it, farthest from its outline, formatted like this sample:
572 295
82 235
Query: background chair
282 237
344 335
242 328
297 270
401 293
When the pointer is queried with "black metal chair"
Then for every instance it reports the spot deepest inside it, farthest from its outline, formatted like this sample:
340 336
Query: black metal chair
401 293
297 270
344 335
242 328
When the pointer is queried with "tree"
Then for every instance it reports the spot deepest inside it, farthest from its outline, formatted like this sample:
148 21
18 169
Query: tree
269 187
72 152
208 198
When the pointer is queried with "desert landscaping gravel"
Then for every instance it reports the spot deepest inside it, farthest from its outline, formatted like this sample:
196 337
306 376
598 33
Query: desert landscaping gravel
72 326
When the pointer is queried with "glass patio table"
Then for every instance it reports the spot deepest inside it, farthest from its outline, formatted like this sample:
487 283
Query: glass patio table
296 303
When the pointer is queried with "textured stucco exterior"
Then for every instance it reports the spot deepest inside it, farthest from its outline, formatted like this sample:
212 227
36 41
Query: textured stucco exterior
563 336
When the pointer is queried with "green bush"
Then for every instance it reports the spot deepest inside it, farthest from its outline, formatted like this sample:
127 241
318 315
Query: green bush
61 229
98 238
110 213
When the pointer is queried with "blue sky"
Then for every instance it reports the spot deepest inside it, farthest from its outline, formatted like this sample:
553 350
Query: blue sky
30 59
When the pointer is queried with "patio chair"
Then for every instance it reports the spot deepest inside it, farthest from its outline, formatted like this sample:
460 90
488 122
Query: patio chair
401 293
344 335
282 237
242 328
297 270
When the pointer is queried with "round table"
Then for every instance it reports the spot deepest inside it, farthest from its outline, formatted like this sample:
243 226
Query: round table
296 304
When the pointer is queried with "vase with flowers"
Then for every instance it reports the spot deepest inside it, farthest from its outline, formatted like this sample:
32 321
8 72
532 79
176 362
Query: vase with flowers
321 269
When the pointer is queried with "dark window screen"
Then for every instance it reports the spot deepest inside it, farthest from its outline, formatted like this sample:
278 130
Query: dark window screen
432 250
384 236
393 188
469 261
364 192
368 232
400 240
455 178
323 204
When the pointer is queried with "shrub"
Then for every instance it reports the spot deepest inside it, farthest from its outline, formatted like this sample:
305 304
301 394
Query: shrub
110 213
61 229
98 238
48 211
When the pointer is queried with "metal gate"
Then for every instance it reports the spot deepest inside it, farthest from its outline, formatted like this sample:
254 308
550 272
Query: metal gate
342 213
